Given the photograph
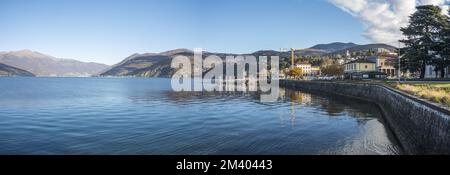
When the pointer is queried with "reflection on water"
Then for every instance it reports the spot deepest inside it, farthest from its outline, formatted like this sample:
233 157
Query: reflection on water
143 116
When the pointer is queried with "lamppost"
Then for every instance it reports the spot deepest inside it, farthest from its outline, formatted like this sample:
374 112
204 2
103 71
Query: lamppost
399 64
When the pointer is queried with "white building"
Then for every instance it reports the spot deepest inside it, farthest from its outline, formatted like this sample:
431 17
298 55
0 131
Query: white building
306 67
386 64
431 73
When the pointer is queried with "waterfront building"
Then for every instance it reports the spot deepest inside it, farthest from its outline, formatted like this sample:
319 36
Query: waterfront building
362 69
361 65
309 70
306 67
385 63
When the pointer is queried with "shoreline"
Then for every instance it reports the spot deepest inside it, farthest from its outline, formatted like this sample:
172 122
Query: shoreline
420 128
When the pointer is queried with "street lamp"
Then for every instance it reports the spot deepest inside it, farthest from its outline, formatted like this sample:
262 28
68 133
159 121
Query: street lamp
399 64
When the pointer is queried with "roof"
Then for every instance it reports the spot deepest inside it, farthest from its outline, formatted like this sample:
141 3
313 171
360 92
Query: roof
303 63
360 61
383 56
393 55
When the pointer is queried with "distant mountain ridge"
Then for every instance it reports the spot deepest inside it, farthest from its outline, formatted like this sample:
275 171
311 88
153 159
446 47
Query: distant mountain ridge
152 64
358 48
332 47
158 64
44 65
10 71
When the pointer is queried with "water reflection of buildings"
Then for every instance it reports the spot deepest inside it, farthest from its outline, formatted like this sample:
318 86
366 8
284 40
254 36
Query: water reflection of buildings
296 96
296 99
296 105
331 105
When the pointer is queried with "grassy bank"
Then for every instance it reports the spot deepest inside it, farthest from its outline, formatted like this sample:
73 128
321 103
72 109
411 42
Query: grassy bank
435 92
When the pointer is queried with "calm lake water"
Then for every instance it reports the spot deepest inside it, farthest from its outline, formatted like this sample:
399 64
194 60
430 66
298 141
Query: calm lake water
144 116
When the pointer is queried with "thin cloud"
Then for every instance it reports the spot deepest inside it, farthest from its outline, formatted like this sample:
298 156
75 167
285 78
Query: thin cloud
382 19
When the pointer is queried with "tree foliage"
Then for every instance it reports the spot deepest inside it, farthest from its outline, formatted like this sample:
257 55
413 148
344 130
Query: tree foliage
424 39
445 49
333 70
295 72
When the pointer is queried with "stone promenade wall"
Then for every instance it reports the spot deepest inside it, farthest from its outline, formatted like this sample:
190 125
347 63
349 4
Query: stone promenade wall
421 127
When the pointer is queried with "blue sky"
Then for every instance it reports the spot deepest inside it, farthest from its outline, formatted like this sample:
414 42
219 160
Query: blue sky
107 31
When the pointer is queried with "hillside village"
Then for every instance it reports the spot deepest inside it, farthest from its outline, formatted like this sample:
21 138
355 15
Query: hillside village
374 63
370 63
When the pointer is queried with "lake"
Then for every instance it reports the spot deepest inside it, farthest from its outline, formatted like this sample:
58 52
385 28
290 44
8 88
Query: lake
123 116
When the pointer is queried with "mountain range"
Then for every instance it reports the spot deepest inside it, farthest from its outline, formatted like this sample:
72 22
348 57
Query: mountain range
44 65
158 64
333 47
28 63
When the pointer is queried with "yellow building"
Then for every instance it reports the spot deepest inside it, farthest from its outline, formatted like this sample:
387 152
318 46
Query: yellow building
359 66
362 69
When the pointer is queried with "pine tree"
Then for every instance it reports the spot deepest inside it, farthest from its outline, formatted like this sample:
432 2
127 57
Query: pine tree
445 50
424 38
442 61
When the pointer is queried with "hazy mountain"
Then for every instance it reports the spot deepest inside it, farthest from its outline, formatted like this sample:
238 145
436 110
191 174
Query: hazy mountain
332 47
271 53
342 48
322 49
359 48
151 64
317 50
6 70
44 65
145 65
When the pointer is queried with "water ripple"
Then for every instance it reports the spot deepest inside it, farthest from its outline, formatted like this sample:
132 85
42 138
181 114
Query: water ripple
142 116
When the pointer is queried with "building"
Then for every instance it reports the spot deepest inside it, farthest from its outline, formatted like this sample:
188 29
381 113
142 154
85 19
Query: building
306 67
431 73
386 64
316 71
309 70
362 69
383 51
360 65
